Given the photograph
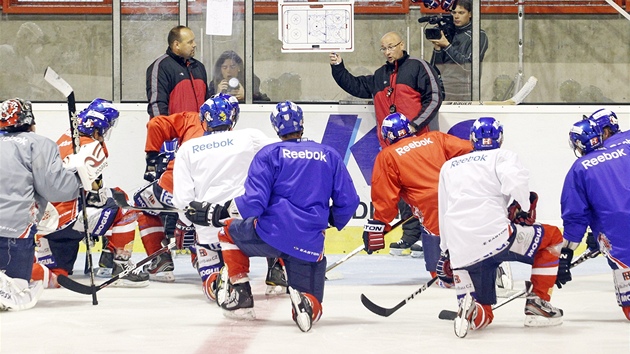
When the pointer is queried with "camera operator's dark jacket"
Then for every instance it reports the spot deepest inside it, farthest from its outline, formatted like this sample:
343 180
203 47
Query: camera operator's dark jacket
410 84
455 62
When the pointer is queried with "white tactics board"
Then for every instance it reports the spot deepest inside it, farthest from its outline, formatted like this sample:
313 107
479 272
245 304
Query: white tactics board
316 26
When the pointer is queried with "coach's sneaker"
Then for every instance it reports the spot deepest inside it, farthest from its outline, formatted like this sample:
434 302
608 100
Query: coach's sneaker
15 298
135 279
397 248
306 310
465 314
276 280
161 268
416 250
540 313
239 302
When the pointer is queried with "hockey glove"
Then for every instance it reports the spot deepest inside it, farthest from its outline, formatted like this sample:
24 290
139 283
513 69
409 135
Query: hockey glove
591 242
564 267
518 216
374 235
444 270
96 199
185 235
431 4
150 173
199 213
449 5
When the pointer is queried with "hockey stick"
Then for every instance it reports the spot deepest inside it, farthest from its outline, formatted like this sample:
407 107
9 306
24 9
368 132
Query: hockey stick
450 315
518 98
87 290
62 86
121 201
362 247
385 312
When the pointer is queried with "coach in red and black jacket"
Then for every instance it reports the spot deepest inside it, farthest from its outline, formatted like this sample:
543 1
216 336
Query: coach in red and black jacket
404 84
176 82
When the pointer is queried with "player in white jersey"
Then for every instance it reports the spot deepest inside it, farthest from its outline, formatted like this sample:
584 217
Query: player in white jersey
476 234
214 167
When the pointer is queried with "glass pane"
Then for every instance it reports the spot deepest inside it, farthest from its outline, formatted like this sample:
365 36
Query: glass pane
223 55
72 45
144 39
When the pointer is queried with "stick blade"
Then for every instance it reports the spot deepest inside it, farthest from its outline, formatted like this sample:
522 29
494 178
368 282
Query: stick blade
525 90
57 82
73 285
381 311
447 315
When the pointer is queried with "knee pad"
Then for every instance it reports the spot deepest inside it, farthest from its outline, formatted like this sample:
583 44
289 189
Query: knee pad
209 260
527 240
151 196
621 279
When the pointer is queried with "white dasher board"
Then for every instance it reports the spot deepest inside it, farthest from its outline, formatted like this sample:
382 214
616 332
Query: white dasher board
316 26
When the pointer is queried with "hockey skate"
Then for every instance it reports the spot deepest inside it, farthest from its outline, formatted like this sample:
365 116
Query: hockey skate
221 286
416 250
397 248
505 285
239 302
302 310
276 280
105 264
465 314
540 313
136 279
161 268
14 298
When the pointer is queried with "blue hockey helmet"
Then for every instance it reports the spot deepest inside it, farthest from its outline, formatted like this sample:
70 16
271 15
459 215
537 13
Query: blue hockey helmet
605 118
486 133
585 136
395 127
221 110
99 115
287 118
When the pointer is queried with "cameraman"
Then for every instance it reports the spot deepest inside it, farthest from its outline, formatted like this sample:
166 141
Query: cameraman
454 60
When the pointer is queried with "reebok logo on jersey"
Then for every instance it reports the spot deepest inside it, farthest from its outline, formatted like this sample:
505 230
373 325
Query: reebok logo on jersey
476 158
306 154
606 156
18 139
212 145
412 145
627 142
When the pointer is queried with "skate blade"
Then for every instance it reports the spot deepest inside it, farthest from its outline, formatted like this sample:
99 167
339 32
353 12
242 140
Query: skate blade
417 254
247 314
275 290
541 321
124 283
399 252
162 277
461 325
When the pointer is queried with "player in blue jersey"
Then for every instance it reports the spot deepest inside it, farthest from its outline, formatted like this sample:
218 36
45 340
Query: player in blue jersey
283 213
596 193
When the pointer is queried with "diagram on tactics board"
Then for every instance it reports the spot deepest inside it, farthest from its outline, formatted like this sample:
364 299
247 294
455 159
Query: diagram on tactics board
308 27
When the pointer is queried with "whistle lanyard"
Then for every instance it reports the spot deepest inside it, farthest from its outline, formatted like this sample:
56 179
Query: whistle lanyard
391 94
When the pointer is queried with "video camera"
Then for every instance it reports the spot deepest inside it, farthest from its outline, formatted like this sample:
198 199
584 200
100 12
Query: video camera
444 23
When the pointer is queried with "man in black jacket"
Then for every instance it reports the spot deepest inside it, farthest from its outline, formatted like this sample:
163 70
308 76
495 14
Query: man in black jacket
404 84
176 82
